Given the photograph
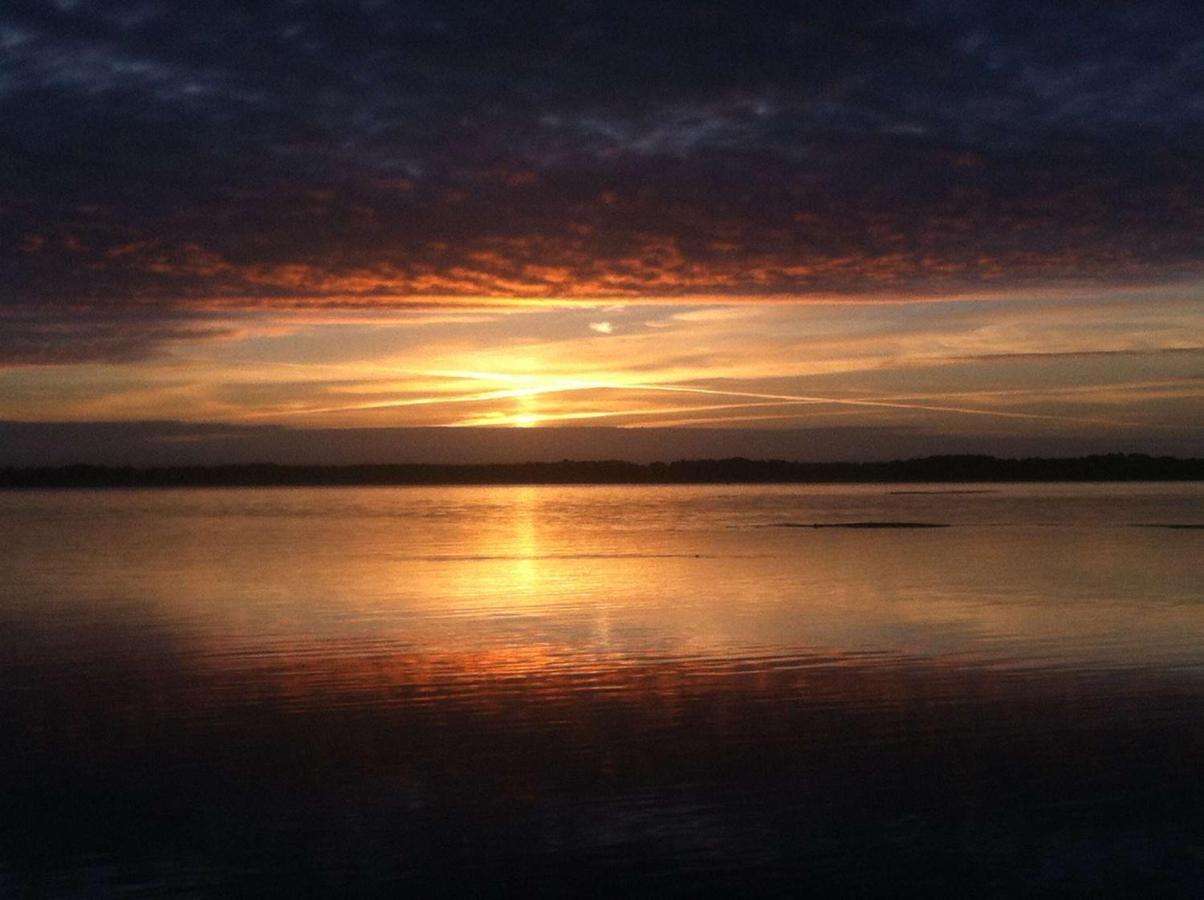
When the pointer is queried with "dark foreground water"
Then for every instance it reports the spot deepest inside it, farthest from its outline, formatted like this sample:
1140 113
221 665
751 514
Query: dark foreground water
603 691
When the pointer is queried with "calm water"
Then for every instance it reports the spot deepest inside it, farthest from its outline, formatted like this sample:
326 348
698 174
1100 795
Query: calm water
602 690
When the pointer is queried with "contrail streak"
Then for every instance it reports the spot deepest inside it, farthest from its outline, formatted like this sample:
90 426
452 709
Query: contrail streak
573 384
601 414
566 385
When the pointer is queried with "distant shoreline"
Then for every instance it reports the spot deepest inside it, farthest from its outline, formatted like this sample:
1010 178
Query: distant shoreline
927 470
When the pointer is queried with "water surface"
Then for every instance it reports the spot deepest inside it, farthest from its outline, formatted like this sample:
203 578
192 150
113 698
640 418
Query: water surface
599 690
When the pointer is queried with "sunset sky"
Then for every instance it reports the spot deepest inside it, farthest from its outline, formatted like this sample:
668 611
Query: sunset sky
872 229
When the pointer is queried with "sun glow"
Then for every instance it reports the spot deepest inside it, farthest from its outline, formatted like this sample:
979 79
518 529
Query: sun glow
543 399
1035 364
535 386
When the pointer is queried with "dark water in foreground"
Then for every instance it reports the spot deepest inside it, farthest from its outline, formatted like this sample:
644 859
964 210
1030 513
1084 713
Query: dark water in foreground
602 690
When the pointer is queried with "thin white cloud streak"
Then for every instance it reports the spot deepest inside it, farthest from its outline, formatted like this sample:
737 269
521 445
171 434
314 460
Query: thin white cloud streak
567 385
715 420
503 419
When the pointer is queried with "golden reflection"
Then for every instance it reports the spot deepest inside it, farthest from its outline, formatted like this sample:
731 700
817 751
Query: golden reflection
525 572
631 570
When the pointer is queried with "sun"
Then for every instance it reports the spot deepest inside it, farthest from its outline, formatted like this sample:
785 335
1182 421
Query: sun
525 420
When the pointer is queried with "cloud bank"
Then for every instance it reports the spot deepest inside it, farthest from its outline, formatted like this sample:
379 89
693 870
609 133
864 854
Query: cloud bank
162 161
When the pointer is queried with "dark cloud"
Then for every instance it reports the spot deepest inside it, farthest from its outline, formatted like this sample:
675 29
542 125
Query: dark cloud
161 156
52 334
182 443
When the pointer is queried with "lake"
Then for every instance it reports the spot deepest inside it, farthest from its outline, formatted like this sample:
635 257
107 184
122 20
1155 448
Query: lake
606 690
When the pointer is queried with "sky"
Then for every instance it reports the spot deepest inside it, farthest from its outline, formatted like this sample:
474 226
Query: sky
351 231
